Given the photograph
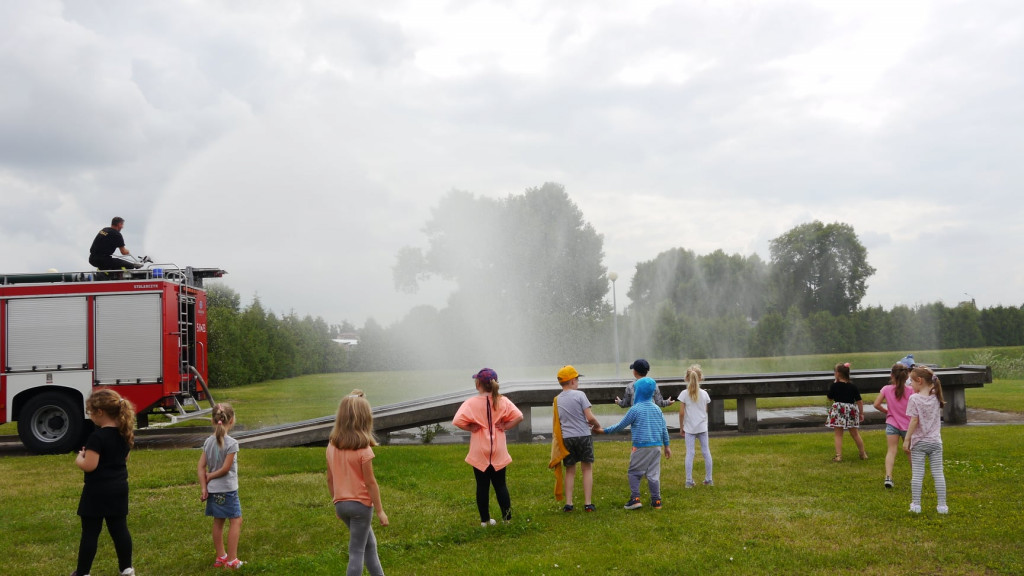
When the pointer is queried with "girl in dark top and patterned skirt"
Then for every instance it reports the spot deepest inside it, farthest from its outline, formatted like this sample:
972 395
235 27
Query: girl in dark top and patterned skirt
847 411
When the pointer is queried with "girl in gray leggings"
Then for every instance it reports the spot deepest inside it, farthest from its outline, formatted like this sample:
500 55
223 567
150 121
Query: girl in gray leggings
352 484
924 438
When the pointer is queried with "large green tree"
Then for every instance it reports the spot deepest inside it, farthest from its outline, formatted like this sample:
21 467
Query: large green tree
528 270
819 268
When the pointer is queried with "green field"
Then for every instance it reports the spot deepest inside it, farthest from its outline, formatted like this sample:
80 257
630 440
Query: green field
283 401
779 506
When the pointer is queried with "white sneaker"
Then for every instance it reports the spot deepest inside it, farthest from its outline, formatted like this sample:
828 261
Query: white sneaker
128 572
942 509
490 522
915 508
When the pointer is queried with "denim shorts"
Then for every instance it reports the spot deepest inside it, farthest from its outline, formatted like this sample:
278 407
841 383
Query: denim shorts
891 430
224 505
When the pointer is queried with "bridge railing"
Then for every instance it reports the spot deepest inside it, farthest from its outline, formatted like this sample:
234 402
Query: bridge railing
744 388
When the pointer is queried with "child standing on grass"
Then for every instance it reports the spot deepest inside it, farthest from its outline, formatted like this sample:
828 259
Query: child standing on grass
693 423
924 437
104 459
218 480
487 416
571 439
847 411
650 435
640 368
350 479
892 401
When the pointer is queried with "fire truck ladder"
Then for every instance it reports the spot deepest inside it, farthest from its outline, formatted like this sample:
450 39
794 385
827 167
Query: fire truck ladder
185 404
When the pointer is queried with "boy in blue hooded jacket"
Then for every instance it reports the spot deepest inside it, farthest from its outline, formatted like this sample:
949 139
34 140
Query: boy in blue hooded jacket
650 435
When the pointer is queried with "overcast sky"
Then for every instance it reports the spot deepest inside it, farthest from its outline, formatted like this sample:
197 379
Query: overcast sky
300 145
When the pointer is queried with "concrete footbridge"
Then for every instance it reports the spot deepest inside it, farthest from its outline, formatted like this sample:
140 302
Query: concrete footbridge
744 388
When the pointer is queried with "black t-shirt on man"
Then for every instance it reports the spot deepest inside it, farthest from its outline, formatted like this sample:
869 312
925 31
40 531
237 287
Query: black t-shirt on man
106 242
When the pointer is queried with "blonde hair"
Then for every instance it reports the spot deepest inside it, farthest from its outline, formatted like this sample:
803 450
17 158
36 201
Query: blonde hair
222 416
925 373
898 376
117 409
353 425
694 376
489 385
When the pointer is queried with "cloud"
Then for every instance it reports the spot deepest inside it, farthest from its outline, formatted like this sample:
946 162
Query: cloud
299 145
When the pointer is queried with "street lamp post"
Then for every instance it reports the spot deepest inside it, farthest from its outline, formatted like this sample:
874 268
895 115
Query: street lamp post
615 322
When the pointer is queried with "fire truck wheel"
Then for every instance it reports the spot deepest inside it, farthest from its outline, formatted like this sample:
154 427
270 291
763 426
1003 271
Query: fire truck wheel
50 423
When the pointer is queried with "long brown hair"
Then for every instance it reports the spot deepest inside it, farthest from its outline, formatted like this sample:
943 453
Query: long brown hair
222 416
117 409
925 373
353 425
898 377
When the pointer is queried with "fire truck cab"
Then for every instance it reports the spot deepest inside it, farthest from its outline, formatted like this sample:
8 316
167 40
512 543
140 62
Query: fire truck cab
63 335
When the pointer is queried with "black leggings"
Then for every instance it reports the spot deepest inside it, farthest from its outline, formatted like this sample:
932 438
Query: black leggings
483 493
91 528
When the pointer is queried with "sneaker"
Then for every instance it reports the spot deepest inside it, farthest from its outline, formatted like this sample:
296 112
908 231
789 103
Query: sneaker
888 482
128 572
942 509
220 562
633 504
589 508
490 522
567 508
915 508
689 484
656 503
234 564
709 483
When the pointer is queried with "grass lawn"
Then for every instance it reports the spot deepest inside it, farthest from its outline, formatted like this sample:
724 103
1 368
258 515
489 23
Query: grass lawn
779 506
283 401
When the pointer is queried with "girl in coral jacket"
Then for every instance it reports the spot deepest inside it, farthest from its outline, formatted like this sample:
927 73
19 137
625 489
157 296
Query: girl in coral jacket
487 416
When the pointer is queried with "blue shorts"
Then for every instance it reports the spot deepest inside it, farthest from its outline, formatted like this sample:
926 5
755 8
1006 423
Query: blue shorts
891 430
224 505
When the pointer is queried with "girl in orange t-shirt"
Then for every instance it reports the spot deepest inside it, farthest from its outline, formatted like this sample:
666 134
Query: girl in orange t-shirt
350 480
487 416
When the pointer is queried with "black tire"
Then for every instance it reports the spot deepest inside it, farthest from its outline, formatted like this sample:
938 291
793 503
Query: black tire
51 423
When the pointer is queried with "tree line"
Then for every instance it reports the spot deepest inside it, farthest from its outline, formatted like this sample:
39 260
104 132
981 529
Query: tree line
532 289
250 344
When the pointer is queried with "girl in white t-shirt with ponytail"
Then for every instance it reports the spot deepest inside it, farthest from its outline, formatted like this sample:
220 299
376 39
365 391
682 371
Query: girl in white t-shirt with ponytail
693 423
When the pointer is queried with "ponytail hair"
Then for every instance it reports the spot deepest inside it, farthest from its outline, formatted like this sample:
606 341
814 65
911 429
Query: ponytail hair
925 373
694 376
222 416
353 424
116 408
898 377
490 385
843 369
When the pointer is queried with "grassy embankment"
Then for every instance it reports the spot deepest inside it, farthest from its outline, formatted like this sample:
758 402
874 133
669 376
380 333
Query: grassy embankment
778 507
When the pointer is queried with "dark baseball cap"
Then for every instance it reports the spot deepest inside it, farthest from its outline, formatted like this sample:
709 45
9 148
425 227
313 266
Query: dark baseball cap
640 365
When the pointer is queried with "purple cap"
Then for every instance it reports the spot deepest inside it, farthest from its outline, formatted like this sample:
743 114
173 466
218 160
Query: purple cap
486 374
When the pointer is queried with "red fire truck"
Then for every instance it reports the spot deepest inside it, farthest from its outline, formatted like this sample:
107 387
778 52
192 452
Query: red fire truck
63 335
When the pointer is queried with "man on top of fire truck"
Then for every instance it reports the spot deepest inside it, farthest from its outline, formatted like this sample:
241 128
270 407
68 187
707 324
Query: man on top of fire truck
106 242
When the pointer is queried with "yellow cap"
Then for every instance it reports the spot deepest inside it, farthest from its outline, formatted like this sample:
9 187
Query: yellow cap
566 374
